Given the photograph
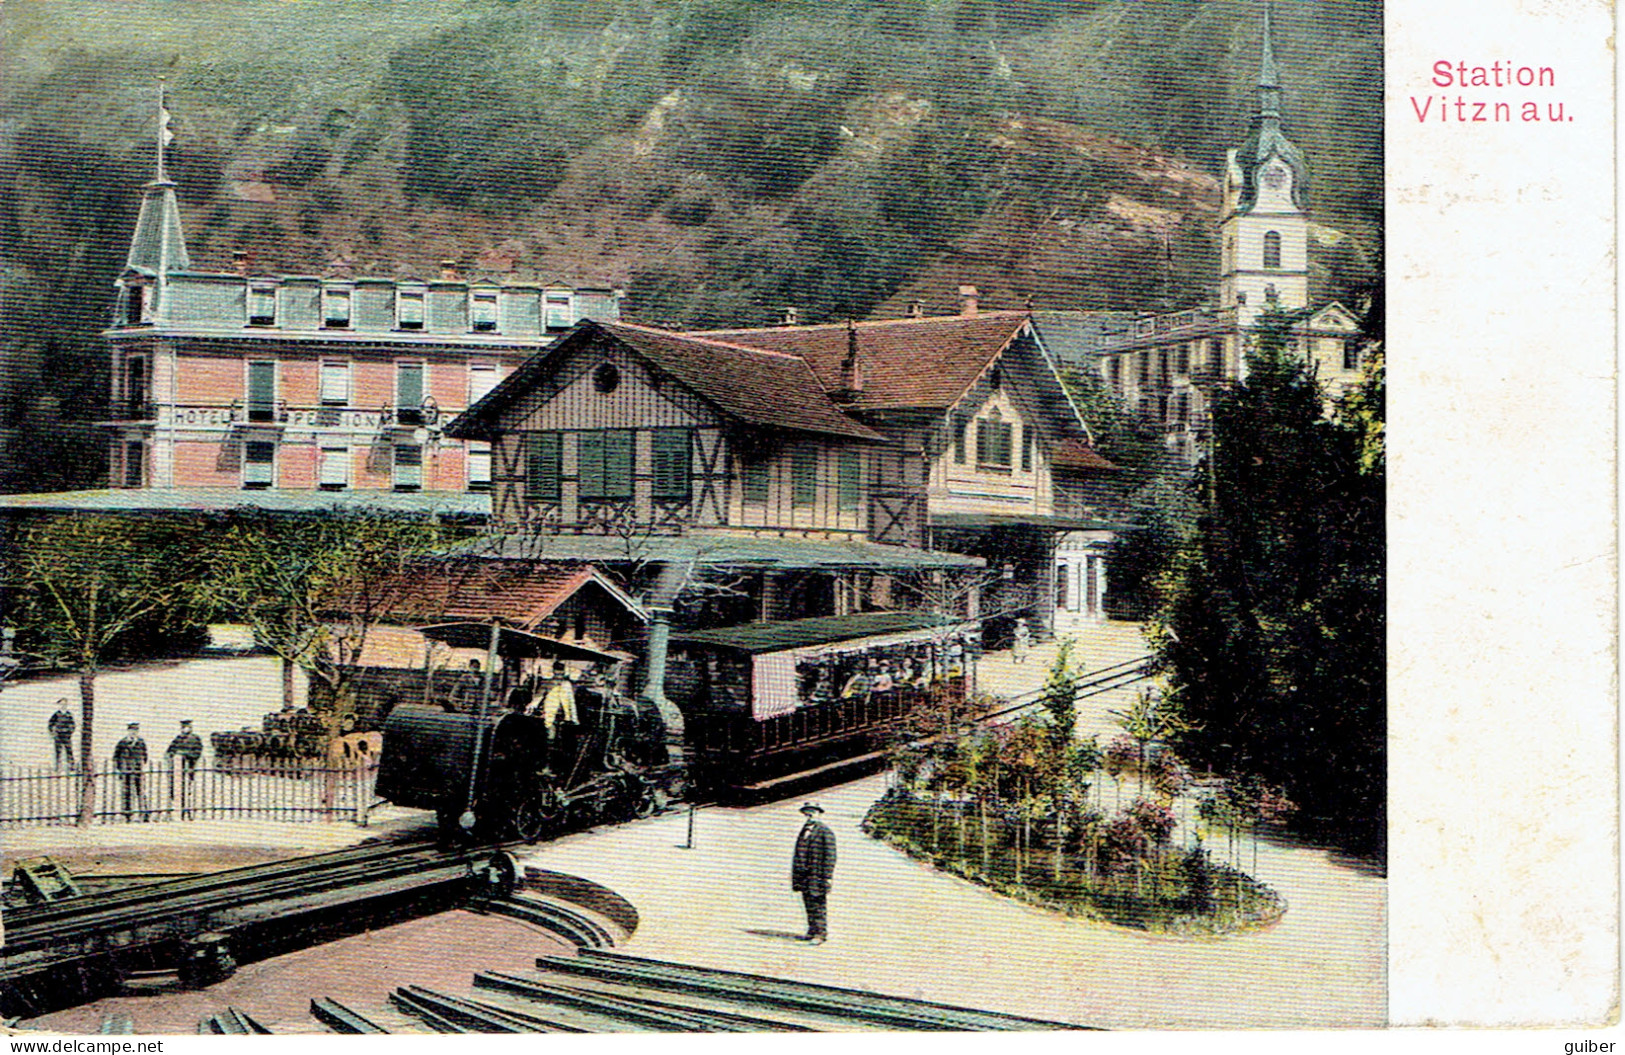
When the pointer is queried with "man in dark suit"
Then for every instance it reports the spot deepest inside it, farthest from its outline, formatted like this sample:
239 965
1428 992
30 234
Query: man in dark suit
185 749
811 869
61 726
130 762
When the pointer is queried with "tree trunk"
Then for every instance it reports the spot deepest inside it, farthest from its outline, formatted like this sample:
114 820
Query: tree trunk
987 862
287 684
87 744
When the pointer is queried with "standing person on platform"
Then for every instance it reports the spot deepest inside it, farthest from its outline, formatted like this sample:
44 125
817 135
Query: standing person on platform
1023 641
187 748
811 869
61 726
130 763
559 713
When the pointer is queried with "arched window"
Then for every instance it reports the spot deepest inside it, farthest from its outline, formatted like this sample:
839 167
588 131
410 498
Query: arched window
1272 249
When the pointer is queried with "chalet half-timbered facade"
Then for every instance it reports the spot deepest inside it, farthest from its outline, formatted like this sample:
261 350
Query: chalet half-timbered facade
951 434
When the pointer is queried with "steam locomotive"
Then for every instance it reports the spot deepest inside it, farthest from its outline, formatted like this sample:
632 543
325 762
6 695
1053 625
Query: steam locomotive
750 708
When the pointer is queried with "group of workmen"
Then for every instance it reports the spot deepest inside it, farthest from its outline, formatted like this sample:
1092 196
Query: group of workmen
130 759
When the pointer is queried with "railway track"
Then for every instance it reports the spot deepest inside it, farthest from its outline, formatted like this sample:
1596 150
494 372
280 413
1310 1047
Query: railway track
69 951
600 991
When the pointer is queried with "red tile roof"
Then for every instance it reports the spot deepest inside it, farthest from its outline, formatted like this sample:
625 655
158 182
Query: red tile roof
1075 455
919 363
516 594
761 386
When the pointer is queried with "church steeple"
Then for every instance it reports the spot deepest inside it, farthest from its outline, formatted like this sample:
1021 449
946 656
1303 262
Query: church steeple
158 246
1269 80
1264 224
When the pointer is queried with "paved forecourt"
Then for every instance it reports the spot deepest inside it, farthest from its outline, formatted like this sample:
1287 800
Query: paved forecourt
219 693
899 927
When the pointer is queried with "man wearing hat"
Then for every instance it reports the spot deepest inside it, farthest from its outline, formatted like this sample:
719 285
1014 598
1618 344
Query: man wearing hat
61 726
130 763
187 747
811 869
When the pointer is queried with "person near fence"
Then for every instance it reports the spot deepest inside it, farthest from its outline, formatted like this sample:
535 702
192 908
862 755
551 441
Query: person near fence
130 763
811 868
61 726
184 752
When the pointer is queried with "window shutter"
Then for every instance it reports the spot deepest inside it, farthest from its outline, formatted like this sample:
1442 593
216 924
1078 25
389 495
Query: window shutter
259 464
756 481
336 310
409 393
1026 448
261 391
804 476
672 465
590 464
409 309
542 465
482 377
483 310
479 466
408 466
335 471
335 383
850 491
959 427
559 315
618 463
981 443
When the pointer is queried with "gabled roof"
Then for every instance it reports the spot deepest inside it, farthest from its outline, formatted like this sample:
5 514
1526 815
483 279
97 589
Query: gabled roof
923 364
514 594
756 386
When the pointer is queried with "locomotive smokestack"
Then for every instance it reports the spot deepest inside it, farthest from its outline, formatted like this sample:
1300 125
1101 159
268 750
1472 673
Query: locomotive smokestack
668 584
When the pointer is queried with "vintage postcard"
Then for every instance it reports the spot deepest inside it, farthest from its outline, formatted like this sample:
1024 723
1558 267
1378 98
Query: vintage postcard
624 516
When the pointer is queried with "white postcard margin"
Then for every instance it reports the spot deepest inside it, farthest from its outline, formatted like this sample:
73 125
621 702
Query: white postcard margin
1504 789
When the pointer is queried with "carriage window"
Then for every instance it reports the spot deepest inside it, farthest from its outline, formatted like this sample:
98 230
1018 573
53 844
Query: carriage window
604 463
542 465
671 463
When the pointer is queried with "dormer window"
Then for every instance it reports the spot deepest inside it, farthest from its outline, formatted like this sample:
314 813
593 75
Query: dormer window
993 437
137 306
482 310
262 304
409 313
336 307
559 315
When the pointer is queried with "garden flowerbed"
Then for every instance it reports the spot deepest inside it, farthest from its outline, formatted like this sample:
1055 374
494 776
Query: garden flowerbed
1092 875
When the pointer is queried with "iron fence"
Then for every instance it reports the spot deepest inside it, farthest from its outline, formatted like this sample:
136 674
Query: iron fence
264 789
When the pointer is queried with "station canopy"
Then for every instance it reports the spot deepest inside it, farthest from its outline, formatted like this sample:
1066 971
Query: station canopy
515 644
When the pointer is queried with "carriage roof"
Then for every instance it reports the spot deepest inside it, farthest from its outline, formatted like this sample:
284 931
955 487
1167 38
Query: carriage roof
786 635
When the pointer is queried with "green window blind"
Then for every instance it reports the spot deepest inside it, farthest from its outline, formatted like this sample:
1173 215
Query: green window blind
542 465
850 476
804 476
604 463
755 475
671 463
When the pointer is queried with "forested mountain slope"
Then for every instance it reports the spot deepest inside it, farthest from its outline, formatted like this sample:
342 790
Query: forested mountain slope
719 158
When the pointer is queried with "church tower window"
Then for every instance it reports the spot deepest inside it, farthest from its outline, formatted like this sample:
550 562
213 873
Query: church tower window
1272 249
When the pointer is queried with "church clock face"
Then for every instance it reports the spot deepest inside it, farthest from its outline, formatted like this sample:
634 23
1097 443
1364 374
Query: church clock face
1275 177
